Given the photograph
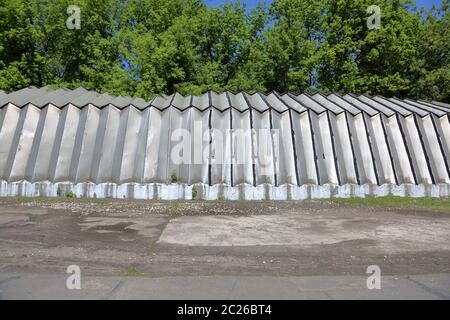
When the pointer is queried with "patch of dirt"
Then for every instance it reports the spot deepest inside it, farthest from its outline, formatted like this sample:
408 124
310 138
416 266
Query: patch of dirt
112 236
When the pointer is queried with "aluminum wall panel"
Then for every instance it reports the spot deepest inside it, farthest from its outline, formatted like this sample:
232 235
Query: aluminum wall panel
324 148
63 147
141 151
200 144
39 161
283 149
263 148
413 139
343 149
9 120
362 150
83 155
233 146
306 156
127 148
241 145
22 143
381 150
105 142
433 149
156 165
180 157
220 154
443 127
400 151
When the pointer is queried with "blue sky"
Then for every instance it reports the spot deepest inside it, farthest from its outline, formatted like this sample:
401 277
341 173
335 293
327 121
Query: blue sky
251 3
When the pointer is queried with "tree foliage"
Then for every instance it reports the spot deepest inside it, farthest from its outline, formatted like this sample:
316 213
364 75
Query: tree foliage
148 47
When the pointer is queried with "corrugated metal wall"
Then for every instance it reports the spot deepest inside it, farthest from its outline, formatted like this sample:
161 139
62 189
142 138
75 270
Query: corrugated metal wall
322 146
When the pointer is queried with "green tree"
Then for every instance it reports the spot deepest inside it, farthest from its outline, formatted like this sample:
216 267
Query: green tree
158 42
86 57
148 47
228 36
357 59
189 48
18 60
37 48
432 68
290 46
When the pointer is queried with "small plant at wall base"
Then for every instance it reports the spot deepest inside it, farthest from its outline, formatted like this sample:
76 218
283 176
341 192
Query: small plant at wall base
173 177
194 192
70 194
58 191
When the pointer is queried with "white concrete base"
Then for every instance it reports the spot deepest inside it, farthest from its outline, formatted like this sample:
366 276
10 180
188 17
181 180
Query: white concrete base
156 191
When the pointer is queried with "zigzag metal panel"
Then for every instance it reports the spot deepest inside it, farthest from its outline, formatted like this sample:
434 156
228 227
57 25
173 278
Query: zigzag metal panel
320 146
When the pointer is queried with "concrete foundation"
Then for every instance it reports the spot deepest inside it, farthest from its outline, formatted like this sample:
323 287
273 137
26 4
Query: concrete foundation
154 191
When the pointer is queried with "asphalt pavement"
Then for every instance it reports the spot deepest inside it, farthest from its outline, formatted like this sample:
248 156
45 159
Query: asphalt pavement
54 286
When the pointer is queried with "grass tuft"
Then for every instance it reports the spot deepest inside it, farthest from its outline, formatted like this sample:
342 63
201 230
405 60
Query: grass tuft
427 204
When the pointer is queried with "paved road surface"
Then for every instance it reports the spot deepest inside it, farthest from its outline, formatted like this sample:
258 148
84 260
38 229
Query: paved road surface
45 286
